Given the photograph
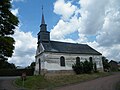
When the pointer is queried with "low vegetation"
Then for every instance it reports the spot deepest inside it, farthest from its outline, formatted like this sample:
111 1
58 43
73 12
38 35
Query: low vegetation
84 67
52 81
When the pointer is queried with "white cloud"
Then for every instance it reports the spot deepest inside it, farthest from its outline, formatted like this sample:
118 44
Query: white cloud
25 47
15 11
17 0
94 17
110 31
64 28
66 9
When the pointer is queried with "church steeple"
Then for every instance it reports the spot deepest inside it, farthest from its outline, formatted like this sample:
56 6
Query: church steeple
43 26
43 35
43 20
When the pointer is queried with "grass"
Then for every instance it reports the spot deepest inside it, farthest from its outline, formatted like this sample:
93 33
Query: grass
50 82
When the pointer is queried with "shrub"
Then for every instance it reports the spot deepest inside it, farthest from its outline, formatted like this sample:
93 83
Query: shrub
83 67
87 67
15 72
78 68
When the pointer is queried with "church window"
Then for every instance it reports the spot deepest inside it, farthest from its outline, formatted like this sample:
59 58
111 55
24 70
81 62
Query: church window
62 61
91 59
77 60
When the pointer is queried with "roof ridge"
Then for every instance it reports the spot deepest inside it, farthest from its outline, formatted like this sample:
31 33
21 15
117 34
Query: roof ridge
68 42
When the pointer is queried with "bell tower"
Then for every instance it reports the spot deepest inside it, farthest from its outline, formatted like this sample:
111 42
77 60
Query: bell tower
43 35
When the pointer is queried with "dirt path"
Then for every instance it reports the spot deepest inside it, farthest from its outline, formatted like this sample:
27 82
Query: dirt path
105 83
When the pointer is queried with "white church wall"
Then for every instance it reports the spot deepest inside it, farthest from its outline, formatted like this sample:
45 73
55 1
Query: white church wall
52 60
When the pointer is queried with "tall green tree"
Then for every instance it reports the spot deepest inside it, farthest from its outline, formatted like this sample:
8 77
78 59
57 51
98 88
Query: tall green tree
8 22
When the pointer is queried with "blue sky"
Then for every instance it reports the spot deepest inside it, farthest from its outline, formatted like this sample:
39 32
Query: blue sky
30 14
91 22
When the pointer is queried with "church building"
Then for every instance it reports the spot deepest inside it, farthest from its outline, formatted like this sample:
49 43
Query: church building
55 56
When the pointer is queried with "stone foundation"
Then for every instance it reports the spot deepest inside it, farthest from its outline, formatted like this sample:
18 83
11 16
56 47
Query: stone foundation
57 72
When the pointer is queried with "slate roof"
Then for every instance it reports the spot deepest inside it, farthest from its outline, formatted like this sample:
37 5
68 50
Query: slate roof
72 48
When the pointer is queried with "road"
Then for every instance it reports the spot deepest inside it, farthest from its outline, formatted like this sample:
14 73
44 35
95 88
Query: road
105 83
7 83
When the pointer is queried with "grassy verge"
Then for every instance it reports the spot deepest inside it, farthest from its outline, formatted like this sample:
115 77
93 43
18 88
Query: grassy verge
50 82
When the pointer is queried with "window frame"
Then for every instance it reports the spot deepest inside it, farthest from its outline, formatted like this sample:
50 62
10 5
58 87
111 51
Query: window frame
62 61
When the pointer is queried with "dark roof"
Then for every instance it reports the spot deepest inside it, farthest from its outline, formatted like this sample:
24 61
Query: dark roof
64 47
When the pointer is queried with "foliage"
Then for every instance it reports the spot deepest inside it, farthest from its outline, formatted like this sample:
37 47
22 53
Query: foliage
83 67
50 82
8 22
78 68
6 47
32 66
6 65
106 65
87 67
95 68
16 72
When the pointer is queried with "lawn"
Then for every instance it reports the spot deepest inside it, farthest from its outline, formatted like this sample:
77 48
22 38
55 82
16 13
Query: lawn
53 81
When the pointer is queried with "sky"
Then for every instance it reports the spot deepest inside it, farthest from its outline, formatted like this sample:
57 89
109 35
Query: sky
92 22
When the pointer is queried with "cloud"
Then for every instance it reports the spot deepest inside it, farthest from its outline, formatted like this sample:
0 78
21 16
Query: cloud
64 28
92 16
25 47
15 11
65 9
100 19
17 0
110 30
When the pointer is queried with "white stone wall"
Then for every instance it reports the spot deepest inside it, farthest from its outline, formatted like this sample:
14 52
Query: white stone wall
51 61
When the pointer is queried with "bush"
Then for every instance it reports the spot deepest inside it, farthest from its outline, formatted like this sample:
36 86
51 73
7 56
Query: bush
78 68
16 72
87 67
83 67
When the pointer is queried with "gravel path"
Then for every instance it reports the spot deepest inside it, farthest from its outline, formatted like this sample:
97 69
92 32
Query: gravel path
105 83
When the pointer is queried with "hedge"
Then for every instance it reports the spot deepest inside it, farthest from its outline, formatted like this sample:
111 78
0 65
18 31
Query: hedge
16 72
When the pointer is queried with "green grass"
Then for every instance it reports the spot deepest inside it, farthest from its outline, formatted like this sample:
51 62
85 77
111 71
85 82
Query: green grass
33 82
50 82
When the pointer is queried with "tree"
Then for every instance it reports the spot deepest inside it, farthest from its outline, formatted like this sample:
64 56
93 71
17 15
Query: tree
106 65
6 65
78 68
32 66
83 67
87 67
8 22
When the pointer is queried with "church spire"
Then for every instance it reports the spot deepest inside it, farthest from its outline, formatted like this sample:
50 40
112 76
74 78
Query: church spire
43 26
43 20
43 35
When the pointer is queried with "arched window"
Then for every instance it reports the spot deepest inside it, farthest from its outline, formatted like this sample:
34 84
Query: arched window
91 59
77 60
62 61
